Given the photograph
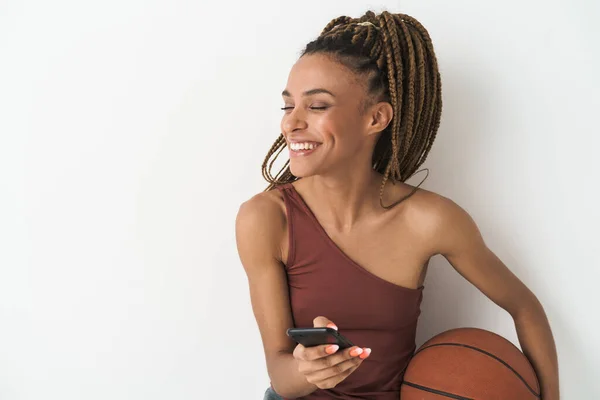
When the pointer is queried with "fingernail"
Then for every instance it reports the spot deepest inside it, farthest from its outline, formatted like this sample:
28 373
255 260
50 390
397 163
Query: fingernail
366 353
356 352
331 349
332 325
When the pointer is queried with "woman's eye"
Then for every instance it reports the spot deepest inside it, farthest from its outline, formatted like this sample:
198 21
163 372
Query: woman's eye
320 108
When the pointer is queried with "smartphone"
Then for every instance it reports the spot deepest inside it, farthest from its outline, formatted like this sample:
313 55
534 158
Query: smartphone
309 337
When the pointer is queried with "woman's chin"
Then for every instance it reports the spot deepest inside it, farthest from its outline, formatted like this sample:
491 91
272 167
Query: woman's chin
302 172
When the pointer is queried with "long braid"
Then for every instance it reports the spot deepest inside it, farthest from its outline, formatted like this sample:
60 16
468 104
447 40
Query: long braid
266 171
395 52
417 94
395 79
410 113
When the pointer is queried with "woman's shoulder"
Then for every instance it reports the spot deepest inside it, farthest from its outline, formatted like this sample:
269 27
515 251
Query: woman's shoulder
416 198
266 207
261 221
426 208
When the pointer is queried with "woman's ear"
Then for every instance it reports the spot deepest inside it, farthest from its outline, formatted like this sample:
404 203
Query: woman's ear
380 116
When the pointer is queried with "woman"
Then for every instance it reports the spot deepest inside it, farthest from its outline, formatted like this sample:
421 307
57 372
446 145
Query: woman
337 245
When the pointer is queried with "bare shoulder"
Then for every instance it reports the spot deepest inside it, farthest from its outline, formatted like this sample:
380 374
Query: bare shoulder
438 218
261 223
434 206
424 208
269 203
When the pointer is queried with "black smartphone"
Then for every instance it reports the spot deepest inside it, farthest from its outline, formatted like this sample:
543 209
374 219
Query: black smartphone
309 337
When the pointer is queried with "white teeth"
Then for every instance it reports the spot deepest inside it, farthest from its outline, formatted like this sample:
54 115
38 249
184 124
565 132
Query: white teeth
302 146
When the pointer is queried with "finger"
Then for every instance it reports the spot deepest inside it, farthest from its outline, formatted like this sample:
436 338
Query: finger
336 369
318 352
299 352
332 381
315 352
323 322
317 364
366 353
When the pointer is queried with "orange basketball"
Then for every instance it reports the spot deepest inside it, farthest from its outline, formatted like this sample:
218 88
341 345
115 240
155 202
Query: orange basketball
469 363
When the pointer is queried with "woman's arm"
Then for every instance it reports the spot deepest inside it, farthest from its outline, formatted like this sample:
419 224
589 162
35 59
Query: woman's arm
459 240
260 228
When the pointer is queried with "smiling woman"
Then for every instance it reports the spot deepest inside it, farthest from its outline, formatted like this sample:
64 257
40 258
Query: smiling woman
336 242
385 54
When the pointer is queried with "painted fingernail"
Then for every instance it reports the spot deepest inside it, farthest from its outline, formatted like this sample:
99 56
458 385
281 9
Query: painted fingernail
356 352
366 353
331 349
332 325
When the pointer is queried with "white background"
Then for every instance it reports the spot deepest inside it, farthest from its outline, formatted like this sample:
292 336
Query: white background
130 133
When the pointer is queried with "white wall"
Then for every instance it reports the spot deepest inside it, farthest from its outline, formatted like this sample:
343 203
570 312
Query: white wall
131 131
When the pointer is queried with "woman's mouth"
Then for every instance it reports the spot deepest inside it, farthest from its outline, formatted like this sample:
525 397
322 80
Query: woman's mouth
303 149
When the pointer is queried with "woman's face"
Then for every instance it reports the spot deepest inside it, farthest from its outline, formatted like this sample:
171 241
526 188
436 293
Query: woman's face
323 101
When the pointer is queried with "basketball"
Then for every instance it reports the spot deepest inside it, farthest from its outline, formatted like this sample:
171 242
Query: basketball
469 363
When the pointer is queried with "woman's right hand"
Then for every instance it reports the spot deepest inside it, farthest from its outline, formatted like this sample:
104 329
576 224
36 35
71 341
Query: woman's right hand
324 366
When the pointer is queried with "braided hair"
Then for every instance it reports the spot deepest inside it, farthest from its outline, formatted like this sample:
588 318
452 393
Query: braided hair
395 54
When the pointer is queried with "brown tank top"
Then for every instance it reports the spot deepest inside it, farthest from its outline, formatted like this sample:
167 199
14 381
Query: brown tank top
368 310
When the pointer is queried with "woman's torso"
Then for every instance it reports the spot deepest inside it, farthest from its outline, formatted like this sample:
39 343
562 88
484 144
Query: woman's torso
368 281
392 245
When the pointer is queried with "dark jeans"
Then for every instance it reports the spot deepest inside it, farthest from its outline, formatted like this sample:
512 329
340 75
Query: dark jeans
271 395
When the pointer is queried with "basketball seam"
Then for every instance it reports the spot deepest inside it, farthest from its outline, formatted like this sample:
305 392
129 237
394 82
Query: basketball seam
487 354
441 393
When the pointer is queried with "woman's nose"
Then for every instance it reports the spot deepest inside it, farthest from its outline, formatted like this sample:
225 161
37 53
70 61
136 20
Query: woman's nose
293 121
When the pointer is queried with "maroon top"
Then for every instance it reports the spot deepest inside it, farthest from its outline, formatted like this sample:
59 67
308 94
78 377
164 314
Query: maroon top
368 310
